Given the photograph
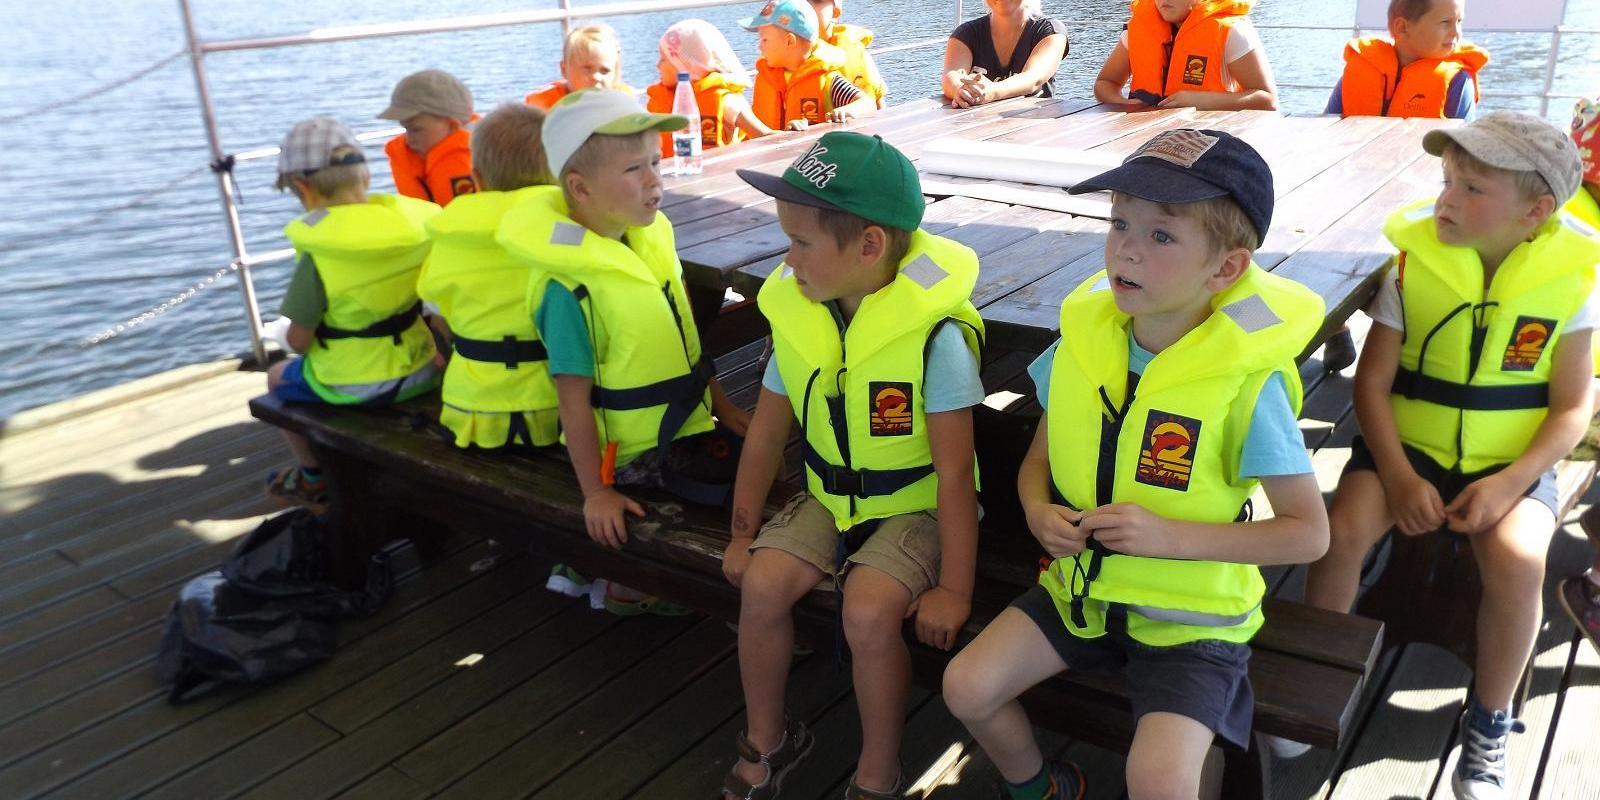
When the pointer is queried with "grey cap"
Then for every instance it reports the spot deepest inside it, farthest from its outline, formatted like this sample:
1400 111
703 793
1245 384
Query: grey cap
311 143
431 91
1517 141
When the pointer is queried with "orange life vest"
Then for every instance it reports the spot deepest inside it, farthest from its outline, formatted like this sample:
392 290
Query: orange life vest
1166 62
710 93
1374 85
782 96
547 95
438 177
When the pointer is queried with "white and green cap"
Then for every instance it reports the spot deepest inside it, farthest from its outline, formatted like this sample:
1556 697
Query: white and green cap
583 114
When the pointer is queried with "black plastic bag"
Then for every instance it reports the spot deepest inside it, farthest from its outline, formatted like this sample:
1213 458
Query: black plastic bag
288 558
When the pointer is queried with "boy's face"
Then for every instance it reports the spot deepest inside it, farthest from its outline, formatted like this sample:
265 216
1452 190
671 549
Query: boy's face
587 68
781 48
624 191
1160 264
827 12
1481 209
823 268
425 131
1434 34
1174 11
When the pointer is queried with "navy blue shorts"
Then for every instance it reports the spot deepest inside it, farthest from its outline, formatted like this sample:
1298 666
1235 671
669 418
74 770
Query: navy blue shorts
1450 483
293 387
1207 681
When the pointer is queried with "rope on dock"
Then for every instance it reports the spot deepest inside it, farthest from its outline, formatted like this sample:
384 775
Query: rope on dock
95 92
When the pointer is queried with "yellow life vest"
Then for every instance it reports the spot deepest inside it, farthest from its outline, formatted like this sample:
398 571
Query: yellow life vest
497 388
1473 382
859 67
1586 209
367 256
1170 442
859 396
650 377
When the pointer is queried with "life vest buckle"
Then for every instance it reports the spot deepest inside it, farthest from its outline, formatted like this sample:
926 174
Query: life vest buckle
838 480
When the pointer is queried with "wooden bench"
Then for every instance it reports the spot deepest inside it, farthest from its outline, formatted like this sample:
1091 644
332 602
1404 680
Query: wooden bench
391 479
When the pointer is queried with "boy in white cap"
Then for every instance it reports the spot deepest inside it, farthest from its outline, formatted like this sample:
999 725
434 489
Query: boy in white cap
1473 382
352 301
432 160
635 393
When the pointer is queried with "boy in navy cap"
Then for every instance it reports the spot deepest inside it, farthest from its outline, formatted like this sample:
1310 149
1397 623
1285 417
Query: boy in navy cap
1137 480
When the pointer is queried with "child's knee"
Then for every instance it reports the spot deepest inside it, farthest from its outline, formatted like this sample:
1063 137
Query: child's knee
1158 781
1510 570
968 687
872 623
768 587
275 374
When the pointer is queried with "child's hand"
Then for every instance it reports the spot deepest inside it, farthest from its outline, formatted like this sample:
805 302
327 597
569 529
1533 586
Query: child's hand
1482 504
1415 505
1186 97
736 559
603 516
1056 528
798 124
1132 529
940 613
735 419
840 115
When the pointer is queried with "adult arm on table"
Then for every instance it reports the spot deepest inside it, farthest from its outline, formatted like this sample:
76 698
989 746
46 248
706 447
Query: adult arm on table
965 88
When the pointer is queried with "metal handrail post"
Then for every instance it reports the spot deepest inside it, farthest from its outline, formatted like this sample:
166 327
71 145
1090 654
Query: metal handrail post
566 23
224 185
1550 71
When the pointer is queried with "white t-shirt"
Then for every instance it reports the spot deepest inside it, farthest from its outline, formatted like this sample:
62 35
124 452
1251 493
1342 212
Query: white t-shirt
1387 310
1242 38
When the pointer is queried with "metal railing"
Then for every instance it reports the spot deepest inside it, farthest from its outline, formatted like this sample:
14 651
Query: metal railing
565 13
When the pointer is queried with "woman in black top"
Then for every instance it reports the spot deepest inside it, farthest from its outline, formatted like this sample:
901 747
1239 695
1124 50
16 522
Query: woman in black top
1013 51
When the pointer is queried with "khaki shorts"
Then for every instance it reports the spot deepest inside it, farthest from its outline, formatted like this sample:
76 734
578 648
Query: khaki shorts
904 547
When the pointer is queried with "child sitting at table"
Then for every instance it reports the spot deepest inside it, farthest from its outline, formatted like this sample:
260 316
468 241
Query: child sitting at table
852 40
1200 53
798 77
696 48
1422 70
432 160
591 58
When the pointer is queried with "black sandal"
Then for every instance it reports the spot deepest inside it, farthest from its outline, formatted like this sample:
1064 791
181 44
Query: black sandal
796 745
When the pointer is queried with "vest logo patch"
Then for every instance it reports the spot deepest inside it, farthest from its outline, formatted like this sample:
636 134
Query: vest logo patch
1167 455
708 133
890 414
462 185
811 109
1194 70
1527 343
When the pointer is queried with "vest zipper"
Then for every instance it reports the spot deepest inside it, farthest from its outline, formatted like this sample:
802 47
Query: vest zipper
1105 475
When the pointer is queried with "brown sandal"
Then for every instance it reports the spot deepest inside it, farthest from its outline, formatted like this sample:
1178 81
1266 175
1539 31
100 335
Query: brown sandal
897 792
796 745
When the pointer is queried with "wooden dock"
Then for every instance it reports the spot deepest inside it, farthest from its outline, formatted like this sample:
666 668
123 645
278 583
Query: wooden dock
475 682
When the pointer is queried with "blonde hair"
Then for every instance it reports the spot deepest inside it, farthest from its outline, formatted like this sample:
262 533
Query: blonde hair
1530 185
592 38
602 147
1224 222
332 180
506 151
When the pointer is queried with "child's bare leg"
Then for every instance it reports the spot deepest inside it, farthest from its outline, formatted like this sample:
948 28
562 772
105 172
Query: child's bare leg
1511 559
1167 757
773 583
297 443
982 683
874 610
1358 517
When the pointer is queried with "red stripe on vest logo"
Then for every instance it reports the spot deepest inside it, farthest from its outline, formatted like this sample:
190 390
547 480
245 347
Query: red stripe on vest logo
1528 340
462 185
890 414
1194 70
1167 456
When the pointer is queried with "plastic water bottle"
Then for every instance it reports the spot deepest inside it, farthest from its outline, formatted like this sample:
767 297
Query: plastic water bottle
686 142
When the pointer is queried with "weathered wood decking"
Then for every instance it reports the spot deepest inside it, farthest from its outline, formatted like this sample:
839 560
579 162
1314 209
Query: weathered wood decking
475 682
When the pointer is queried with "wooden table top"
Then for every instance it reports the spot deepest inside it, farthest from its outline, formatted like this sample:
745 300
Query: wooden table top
1335 181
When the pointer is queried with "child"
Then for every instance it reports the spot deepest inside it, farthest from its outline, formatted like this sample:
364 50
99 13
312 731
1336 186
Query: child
1425 71
1201 53
352 301
432 160
1138 479
591 58
1580 594
890 508
697 48
1473 382
497 390
859 66
1585 204
635 393
798 78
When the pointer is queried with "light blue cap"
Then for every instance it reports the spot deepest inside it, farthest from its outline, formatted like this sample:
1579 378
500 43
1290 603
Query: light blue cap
794 16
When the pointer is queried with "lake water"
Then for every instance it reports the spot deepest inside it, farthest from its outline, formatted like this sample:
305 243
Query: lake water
113 213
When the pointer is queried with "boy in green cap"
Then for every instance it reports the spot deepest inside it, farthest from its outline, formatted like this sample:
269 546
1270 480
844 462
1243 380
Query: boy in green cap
876 355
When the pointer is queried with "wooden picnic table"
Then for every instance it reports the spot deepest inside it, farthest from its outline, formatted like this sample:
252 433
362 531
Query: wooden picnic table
1335 181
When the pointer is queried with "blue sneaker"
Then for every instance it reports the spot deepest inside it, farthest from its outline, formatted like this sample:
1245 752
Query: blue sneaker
1481 770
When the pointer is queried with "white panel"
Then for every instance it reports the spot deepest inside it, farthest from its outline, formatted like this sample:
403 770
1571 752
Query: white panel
1502 15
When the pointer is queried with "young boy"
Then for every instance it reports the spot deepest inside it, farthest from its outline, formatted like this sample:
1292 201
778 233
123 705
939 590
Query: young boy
591 58
634 391
1422 70
1200 53
497 390
432 160
1473 382
876 354
352 301
798 77
1138 478
853 41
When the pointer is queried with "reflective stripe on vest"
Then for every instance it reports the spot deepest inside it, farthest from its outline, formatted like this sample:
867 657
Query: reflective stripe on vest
1164 61
1170 441
1475 364
858 395
1374 85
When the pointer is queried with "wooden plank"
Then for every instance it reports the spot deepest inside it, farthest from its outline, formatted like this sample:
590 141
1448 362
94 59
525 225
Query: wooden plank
1408 733
79 407
387 784
1312 774
280 748
932 738
1570 771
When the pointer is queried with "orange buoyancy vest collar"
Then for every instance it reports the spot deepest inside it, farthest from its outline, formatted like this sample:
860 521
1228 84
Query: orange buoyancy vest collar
710 94
1375 85
782 96
1166 61
437 177
547 95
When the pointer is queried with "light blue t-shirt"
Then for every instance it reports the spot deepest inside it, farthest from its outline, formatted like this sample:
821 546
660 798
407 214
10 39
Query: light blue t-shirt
950 379
1273 446
565 332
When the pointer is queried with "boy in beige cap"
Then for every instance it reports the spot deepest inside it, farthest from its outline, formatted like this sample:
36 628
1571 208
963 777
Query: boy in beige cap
1473 382
432 160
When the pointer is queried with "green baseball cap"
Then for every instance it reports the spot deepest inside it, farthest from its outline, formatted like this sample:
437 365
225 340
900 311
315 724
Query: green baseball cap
850 172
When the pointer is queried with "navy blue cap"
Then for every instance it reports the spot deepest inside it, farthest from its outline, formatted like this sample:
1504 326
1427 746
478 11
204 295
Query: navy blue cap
1187 166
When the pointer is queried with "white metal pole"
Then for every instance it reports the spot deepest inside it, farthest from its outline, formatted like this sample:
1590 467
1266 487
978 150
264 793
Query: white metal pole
1550 71
224 185
566 21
